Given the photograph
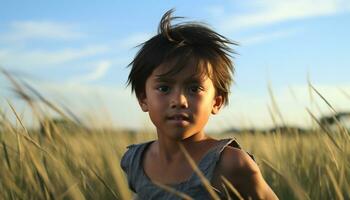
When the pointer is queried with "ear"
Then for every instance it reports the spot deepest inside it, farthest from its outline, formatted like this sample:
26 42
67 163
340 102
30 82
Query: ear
142 99
218 102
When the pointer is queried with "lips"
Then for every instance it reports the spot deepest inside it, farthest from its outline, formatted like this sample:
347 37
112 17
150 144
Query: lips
179 117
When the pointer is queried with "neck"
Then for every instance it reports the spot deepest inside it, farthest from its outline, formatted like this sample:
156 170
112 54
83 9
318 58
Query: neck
169 150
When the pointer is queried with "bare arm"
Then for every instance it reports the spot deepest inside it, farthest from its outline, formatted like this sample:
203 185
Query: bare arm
243 173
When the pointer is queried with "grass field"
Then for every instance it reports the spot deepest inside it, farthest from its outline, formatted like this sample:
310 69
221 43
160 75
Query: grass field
70 161
84 164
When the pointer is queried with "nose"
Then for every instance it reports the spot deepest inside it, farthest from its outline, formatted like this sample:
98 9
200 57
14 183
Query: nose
178 100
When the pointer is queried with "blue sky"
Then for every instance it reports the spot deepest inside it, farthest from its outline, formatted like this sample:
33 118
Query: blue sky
76 54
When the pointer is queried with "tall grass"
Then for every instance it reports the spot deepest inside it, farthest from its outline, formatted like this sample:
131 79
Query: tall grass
71 161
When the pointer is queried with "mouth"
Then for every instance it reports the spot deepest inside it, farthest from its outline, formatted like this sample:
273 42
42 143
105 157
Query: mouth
179 117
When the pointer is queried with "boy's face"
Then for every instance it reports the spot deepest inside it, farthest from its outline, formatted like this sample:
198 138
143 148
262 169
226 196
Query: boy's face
179 105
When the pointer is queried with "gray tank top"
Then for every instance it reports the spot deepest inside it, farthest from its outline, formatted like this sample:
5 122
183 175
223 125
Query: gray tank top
140 183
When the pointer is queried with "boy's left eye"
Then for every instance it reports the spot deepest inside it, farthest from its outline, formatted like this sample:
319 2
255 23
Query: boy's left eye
195 89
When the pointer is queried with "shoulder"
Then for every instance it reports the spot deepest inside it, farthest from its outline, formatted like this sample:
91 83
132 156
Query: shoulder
126 157
130 163
236 160
243 173
132 153
236 165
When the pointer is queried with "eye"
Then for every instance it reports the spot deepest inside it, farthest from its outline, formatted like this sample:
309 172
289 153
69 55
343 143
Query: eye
163 89
195 89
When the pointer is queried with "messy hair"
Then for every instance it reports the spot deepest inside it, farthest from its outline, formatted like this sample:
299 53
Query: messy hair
177 45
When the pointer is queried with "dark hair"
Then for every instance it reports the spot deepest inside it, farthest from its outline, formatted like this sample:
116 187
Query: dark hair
179 44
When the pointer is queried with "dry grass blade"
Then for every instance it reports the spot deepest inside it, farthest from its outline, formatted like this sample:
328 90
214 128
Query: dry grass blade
226 192
17 117
173 191
43 186
38 146
324 99
42 174
313 102
335 184
332 155
8 147
6 123
195 168
20 92
18 88
105 184
345 93
64 194
298 190
309 88
275 105
44 100
6 155
25 96
19 149
324 129
273 118
15 190
72 115
339 125
232 188
27 137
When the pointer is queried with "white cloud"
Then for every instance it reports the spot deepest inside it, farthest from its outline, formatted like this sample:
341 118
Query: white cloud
21 56
268 12
260 38
17 53
28 30
44 58
99 71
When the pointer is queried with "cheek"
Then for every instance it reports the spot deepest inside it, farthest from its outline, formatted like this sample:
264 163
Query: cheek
155 113
204 105
157 105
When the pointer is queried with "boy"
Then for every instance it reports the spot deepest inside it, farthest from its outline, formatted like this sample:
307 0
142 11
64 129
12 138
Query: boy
181 76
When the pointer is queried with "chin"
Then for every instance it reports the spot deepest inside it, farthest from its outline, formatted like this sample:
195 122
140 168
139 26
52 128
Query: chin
178 137
181 135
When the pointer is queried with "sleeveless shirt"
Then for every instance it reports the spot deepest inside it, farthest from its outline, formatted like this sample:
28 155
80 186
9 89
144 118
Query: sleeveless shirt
141 184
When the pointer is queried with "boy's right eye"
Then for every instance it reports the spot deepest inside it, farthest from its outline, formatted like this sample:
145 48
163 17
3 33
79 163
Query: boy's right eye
163 89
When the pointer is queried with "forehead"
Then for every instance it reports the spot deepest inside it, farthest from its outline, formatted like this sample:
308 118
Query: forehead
196 69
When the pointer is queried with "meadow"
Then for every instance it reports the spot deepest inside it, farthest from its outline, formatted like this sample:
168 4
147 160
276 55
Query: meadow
68 160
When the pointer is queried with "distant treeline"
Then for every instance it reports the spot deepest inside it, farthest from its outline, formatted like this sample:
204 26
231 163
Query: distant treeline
331 123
